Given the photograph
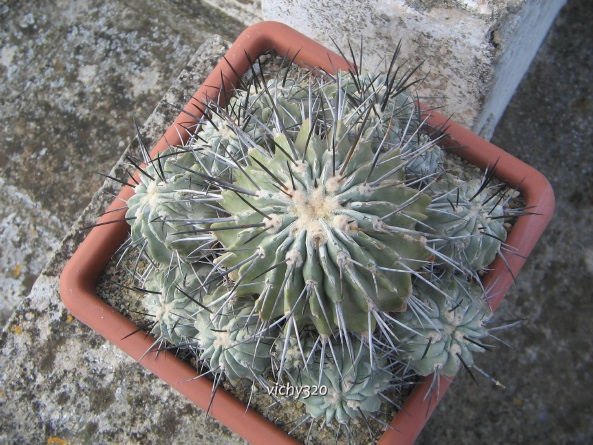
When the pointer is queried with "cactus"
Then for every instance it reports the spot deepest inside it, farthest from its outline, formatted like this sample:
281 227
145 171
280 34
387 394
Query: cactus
333 241
171 302
229 338
290 353
281 104
450 331
468 220
351 386
330 224
168 204
425 158
249 118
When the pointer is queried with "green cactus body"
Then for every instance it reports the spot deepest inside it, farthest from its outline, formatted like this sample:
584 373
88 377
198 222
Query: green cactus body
218 141
423 157
453 331
170 302
331 225
395 115
468 221
391 110
291 352
168 210
250 118
348 388
221 143
230 340
283 104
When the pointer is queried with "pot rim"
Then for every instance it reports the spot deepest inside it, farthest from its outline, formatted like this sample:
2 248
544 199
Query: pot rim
80 274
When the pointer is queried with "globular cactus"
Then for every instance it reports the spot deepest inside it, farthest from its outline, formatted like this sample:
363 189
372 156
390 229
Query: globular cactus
215 143
348 386
323 222
291 352
451 329
250 118
386 98
171 301
169 211
230 339
467 218
393 111
218 141
281 104
323 227
424 158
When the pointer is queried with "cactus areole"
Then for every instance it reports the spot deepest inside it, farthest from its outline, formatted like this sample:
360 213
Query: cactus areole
302 226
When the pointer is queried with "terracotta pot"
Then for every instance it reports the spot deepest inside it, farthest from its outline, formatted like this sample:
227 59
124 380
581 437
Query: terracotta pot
78 280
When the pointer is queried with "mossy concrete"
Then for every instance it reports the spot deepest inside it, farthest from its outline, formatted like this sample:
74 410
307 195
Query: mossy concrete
62 382
74 76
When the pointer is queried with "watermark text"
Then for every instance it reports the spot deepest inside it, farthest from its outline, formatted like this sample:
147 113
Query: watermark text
297 391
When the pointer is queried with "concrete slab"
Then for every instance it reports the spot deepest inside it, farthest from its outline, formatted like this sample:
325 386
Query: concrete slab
29 235
74 76
246 11
62 383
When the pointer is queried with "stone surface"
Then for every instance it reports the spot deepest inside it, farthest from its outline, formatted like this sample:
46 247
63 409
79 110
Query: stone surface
28 236
473 53
62 382
246 11
73 77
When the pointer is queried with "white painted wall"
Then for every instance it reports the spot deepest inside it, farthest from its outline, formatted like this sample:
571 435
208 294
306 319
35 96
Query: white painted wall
475 52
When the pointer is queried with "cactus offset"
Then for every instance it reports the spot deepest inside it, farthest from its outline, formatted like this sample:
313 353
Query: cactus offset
453 327
352 386
168 207
171 302
468 219
229 338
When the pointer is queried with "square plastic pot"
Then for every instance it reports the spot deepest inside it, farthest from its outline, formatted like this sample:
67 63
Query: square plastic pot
79 277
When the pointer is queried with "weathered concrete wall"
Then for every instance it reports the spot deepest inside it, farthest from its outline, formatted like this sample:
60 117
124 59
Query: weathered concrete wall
474 52
246 11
